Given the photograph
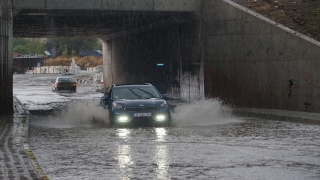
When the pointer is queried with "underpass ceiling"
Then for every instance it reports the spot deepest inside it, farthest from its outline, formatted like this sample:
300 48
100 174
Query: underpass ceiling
94 23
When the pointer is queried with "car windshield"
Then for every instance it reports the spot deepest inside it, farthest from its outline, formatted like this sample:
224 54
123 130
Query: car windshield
65 80
135 93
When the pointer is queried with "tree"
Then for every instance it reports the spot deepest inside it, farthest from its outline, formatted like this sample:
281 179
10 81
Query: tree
36 46
28 45
21 49
19 41
73 46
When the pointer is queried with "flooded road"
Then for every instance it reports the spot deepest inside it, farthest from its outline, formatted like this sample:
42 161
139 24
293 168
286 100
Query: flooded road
205 141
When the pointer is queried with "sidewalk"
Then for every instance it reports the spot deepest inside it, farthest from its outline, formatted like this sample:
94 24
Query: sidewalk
280 115
17 161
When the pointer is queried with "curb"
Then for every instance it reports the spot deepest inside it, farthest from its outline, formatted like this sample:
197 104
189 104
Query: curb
23 114
279 115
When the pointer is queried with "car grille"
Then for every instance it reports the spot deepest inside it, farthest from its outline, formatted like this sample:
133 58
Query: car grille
141 108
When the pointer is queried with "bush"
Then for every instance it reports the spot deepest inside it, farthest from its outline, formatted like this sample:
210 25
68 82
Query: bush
83 62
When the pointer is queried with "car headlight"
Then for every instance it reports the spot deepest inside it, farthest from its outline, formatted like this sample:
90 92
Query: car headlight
123 119
116 105
160 117
164 104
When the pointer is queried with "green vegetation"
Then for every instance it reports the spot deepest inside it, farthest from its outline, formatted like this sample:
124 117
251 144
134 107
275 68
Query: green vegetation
64 46
28 45
73 46
316 14
21 49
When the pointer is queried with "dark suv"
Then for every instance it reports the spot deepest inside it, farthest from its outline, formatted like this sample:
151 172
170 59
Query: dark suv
136 104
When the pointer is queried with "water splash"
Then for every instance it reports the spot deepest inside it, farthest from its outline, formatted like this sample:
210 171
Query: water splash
202 113
88 113
75 114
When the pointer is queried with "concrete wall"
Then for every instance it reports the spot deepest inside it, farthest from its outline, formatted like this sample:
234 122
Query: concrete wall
251 61
6 56
134 59
191 76
231 53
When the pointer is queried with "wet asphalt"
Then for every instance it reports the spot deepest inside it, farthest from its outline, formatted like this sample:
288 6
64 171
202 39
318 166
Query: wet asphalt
73 140
253 149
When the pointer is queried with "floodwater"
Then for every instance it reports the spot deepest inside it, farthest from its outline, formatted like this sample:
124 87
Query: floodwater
205 141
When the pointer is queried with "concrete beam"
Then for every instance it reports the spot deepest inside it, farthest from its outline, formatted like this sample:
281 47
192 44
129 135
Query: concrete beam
6 40
165 23
107 62
144 5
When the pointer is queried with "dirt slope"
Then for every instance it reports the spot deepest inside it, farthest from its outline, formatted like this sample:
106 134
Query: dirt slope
299 15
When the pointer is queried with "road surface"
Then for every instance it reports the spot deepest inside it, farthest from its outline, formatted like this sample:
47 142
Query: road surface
74 140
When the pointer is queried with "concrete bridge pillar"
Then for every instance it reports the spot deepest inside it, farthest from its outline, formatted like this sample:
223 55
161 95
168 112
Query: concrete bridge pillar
6 57
107 62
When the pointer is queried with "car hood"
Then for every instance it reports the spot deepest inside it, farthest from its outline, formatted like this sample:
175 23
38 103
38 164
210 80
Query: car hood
140 102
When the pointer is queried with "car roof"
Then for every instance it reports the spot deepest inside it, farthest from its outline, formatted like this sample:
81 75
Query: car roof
64 77
131 85
137 84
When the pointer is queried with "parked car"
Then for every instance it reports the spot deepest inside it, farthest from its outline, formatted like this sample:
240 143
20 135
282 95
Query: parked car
91 53
29 72
134 104
64 83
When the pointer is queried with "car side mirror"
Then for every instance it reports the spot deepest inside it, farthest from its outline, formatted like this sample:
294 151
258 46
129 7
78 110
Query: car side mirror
103 102
52 81
105 97
165 96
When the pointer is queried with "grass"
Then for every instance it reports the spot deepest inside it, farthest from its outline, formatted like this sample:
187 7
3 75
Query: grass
316 14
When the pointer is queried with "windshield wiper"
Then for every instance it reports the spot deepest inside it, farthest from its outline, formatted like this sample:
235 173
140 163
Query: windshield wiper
135 93
151 95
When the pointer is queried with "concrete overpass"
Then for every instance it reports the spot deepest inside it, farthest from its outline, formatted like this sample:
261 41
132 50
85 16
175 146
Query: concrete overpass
209 48
52 18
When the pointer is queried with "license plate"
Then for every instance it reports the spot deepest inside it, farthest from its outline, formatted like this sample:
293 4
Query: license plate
141 114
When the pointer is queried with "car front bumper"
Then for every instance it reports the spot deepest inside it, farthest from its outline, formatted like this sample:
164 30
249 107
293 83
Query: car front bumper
59 88
162 115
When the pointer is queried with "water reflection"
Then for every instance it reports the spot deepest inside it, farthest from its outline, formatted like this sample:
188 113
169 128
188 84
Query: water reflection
123 133
161 155
124 155
162 161
124 159
161 134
